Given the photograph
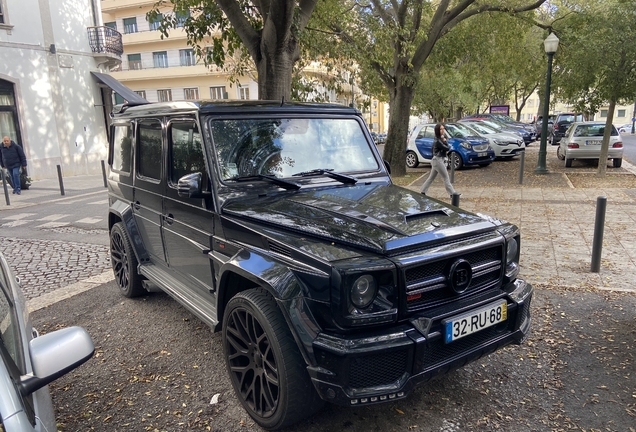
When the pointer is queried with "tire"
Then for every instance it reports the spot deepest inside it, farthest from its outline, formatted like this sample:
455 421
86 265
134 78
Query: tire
560 155
124 262
568 163
411 159
459 163
267 371
617 162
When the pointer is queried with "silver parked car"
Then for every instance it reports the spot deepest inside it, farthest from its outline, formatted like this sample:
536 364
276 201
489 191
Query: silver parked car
583 140
30 362
505 145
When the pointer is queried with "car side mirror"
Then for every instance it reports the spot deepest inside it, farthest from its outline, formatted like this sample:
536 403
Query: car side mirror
191 186
55 354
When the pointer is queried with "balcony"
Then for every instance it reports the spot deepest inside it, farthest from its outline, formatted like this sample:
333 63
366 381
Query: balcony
106 45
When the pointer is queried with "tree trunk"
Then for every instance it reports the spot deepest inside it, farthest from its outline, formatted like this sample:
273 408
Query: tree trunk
275 76
395 148
602 160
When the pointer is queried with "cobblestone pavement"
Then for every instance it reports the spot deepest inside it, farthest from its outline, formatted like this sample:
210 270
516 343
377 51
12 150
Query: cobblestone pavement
44 266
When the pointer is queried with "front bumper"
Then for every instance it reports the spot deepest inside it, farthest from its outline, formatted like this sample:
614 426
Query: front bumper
387 364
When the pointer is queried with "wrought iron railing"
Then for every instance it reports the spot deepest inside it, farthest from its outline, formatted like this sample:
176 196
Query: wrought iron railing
104 39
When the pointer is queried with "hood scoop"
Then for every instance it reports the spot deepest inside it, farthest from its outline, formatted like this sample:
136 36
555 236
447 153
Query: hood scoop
427 214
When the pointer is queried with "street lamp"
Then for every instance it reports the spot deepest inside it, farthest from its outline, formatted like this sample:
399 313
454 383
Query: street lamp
551 44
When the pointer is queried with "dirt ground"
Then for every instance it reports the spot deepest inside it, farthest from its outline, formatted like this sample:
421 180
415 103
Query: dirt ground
157 367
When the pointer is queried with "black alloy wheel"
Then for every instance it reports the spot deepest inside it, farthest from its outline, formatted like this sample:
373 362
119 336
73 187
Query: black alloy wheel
266 369
124 262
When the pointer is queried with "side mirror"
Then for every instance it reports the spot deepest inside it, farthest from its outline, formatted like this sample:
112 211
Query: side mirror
191 186
387 166
54 355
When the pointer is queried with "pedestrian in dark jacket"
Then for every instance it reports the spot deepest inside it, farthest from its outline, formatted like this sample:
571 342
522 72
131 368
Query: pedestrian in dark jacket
12 158
438 163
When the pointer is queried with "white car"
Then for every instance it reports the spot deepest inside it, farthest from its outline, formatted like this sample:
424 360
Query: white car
30 362
583 140
625 129
505 145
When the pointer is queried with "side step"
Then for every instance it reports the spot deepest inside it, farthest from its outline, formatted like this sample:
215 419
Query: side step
202 306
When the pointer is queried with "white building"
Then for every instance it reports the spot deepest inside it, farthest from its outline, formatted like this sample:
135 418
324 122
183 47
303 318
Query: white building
50 103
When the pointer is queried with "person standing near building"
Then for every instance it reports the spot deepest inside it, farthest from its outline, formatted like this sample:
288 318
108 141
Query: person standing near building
438 162
12 158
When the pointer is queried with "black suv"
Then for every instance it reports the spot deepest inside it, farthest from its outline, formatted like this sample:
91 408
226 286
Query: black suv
278 225
561 123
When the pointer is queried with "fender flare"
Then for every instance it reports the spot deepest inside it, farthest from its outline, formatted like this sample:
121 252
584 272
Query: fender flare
124 212
281 282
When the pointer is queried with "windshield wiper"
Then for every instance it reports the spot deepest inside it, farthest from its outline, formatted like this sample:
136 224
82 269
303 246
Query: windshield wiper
343 178
286 184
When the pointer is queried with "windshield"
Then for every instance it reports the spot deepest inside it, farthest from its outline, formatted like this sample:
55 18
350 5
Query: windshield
482 128
456 130
281 147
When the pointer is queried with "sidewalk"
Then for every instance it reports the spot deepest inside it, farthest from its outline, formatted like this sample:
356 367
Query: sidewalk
556 214
48 190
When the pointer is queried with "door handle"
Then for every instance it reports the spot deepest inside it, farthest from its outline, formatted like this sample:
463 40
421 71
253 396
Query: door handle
137 205
169 218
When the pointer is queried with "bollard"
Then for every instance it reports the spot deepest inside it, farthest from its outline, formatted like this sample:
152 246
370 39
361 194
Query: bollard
452 167
599 225
104 174
521 163
4 186
59 177
455 199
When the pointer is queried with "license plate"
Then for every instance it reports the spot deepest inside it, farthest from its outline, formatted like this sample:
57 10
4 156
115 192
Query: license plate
593 142
482 154
463 325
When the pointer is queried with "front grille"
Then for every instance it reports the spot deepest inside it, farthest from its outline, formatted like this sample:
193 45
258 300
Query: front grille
427 284
480 147
379 369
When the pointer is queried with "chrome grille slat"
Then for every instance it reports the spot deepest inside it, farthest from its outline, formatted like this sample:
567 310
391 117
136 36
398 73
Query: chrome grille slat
427 284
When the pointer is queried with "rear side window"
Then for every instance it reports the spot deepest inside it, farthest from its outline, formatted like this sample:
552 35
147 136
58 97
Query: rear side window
186 154
122 149
429 132
149 148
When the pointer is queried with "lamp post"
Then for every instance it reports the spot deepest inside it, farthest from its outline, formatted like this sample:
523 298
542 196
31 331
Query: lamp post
551 43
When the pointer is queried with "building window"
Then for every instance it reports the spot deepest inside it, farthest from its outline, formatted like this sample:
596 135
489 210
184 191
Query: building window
191 93
130 25
141 93
134 61
160 59
217 92
164 95
111 24
118 99
182 17
1 14
186 57
244 92
603 113
621 113
155 22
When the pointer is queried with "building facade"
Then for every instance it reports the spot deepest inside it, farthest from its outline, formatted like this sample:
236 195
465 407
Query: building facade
50 103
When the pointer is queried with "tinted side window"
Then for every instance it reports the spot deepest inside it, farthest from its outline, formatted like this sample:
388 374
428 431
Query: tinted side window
430 132
420 134
186 154
122 146
149 149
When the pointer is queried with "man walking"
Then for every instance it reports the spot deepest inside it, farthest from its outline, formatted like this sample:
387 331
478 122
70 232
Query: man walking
12 158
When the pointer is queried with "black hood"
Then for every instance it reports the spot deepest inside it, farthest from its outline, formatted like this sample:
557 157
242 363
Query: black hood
383 218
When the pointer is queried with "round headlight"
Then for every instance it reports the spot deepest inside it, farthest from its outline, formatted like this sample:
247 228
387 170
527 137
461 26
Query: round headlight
511 250
466 145
363 291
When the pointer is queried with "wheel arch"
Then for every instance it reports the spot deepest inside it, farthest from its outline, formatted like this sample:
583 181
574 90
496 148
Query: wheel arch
248 270
119 211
